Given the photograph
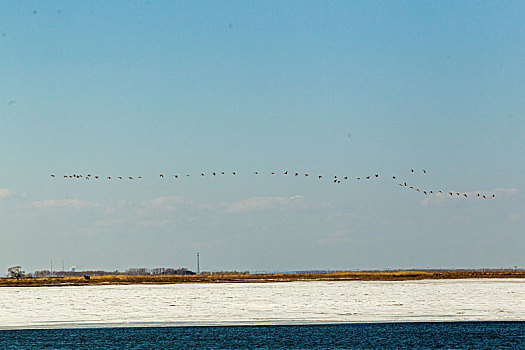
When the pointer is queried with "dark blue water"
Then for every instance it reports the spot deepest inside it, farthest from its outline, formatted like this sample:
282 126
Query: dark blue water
453 335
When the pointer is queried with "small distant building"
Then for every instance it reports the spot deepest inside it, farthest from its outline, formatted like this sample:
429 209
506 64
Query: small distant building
73 269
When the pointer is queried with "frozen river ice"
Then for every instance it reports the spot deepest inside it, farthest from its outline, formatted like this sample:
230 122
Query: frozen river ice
262 303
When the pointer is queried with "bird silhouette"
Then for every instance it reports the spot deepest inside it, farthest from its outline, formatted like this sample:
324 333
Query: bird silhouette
411 170
424 171
52 175
129 177
234 173
273 173
161 175
450 193
320 176
393 177
222 172
346 177
120 177
176 176
256 173
464 194
368 177
405 184
377 175
493 196
213 173
140 177
296 174
109 177
484 196
358 178
202 174
96 177
425 192
286 172
305 175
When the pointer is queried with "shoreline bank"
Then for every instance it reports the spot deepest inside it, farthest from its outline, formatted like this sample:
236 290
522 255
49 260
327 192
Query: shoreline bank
259 278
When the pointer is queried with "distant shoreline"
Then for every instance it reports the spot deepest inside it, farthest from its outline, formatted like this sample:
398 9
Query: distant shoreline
259 278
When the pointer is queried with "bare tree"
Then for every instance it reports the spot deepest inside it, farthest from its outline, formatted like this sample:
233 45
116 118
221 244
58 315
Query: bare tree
15 272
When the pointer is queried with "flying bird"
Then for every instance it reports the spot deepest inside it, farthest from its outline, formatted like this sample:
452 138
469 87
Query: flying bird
161 175
305 175
129 177
296 174
377 175
320 176
424 171
393 177
256 173
234 173
213 173
176 176
202 174
411 170
52 175
120 177
286 172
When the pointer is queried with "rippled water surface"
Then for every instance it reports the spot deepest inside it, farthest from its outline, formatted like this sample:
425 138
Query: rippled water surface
262 303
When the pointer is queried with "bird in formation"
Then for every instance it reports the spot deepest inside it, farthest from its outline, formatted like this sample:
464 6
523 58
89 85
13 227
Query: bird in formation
336 180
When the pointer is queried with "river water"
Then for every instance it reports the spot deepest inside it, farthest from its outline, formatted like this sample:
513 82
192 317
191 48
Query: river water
290 303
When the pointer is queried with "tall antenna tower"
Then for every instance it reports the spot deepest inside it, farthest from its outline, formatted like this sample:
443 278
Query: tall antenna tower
198 265
62 265
51 268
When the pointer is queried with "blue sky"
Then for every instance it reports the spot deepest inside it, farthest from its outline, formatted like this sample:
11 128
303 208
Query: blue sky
332 88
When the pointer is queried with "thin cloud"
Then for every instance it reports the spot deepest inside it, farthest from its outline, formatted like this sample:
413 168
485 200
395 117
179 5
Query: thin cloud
497 192
63 203
6 193
267 203
164 202
514 217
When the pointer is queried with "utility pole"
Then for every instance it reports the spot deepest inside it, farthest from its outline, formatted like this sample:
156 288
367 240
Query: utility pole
51 268
62 265
198 265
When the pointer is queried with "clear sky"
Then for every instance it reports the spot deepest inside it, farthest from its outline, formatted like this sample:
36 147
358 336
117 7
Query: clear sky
121 88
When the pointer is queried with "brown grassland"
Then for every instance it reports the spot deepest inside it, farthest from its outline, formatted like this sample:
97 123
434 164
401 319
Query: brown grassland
276 277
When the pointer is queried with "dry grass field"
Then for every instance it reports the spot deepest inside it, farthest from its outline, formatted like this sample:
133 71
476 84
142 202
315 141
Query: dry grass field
277 277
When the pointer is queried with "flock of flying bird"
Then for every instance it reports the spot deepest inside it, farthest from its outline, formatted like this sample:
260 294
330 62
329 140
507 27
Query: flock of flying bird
335 179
